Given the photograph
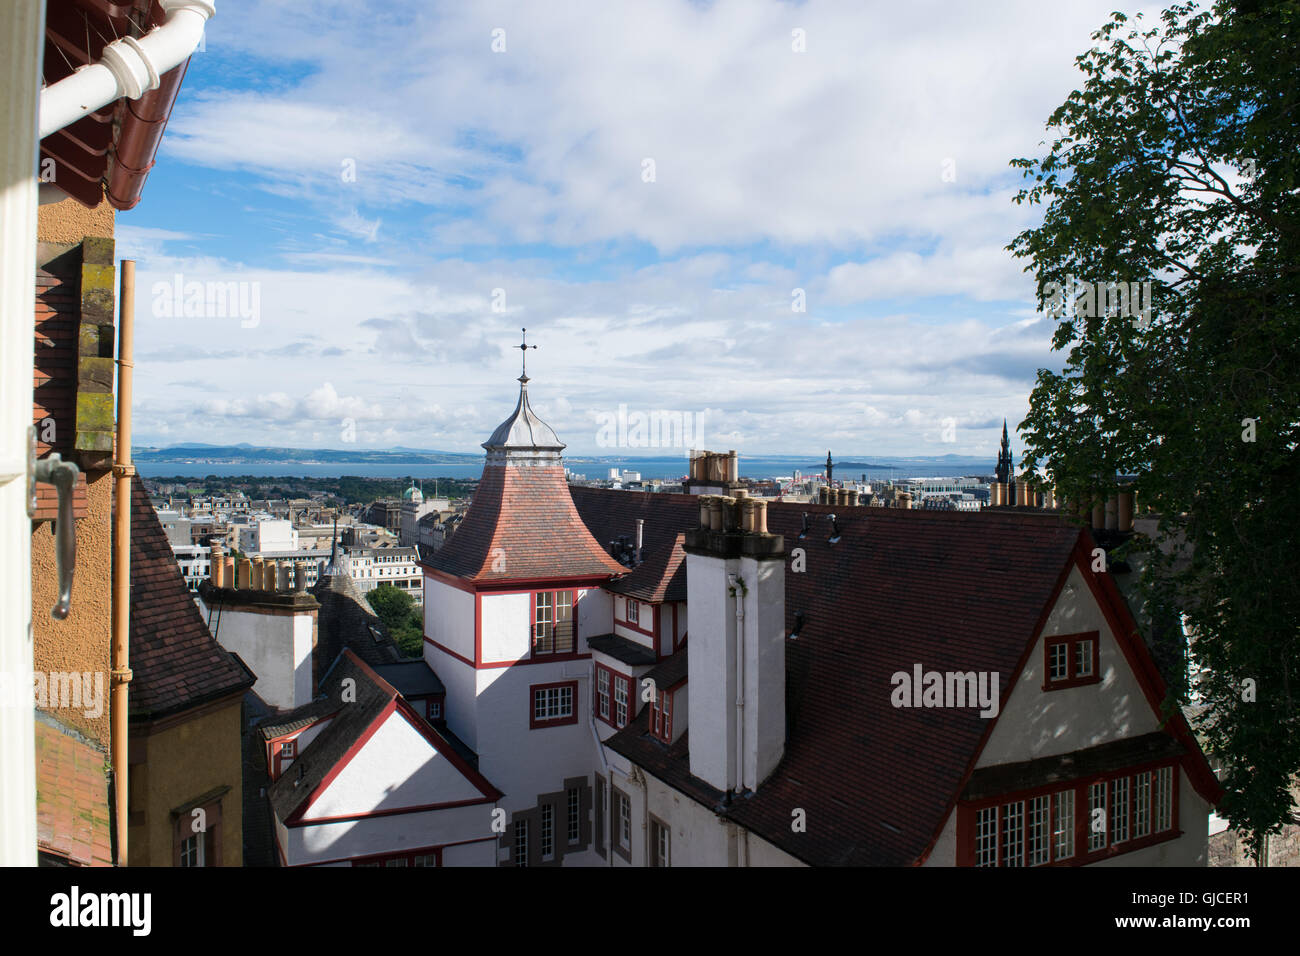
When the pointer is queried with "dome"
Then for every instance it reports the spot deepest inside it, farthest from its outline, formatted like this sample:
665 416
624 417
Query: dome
523 434
413 494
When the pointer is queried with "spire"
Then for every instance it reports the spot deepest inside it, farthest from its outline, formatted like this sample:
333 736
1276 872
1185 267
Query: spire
830 468
1005 467
523 438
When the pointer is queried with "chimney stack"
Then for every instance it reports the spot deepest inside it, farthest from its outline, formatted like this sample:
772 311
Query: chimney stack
640 526
217 566
736 656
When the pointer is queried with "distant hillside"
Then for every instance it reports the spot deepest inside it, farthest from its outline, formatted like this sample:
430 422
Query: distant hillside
249 454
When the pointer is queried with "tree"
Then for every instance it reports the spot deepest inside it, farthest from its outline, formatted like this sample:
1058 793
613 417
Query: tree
1178 164
404 621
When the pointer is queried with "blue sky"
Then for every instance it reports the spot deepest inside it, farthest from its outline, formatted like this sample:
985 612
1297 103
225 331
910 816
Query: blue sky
369 175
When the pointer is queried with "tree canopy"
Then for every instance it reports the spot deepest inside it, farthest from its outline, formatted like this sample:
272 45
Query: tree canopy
1178 164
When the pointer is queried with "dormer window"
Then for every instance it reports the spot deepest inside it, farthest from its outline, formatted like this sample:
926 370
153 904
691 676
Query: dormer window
1071 660
661 716
633 611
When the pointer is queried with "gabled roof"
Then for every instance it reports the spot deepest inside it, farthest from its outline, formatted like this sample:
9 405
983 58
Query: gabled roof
949 590
661 575
176 662
352 724
411 678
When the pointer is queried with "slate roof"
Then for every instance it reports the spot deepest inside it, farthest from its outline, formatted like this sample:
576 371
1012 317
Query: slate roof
670 672
661 575
526 511
622 649
347 620
950 590
411 678
176 663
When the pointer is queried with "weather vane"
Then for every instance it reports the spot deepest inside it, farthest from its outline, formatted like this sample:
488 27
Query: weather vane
523 348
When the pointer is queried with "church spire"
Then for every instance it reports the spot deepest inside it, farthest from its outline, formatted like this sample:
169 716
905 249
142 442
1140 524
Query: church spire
1005 467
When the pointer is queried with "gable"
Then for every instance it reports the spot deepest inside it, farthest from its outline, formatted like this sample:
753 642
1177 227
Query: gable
1042 723
397 767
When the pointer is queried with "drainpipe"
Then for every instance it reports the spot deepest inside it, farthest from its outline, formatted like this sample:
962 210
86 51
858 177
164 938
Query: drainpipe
129 67
736 583
123 470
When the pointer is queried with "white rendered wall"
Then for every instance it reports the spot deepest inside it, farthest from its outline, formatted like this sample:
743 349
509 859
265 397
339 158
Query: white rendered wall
276 647
764 668
389 834
595 612
712 668
1037 723
449 616
505 626
524 762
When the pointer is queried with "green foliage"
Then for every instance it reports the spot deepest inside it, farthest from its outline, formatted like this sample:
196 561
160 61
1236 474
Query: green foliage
401 617
1178 163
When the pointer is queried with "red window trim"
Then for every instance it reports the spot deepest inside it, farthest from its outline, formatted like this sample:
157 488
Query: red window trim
409 855
533 653
967 814
631 625
661 718
612 719
1071 641
534 723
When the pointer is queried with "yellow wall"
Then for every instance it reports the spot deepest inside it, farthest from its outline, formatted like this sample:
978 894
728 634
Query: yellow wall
70 221
181 763
80 642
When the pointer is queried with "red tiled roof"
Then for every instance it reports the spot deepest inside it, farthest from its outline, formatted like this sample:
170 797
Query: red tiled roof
174 658
948 590
72 819
528 514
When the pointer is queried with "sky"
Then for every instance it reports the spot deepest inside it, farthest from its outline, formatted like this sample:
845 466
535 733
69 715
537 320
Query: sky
784 222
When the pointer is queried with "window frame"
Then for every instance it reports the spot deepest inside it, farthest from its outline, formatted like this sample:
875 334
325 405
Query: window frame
536 648
1071 644
661 716
632 613
615 677
619 802
660 855
975 840
535 722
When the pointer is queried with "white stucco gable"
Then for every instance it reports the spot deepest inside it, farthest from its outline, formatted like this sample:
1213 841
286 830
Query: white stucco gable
396 768
1042 723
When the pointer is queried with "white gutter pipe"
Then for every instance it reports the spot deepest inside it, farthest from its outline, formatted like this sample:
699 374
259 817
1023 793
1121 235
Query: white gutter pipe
129 67
736 589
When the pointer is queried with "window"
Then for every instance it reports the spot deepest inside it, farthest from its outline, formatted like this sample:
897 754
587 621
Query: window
602 693
553 623
289 749
1124 811
1071 660
548 831
553 704
600 815
192 850
521 843
633 611
622 824
661 716
620 700
660 837
575 814
434 708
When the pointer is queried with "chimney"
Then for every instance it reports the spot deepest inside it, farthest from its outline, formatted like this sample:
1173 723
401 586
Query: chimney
1112 516
1124 511
640 525
217 566
904 499
735 583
